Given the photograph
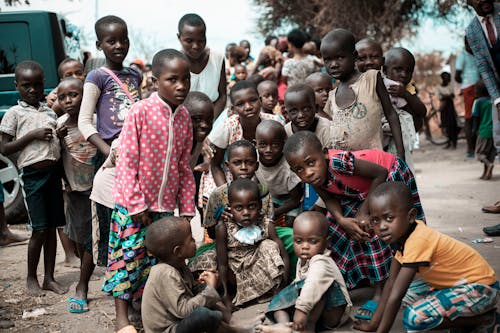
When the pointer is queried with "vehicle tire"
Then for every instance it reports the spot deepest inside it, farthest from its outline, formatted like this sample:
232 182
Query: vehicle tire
15 210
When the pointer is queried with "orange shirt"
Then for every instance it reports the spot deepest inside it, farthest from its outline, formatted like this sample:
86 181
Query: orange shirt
442 261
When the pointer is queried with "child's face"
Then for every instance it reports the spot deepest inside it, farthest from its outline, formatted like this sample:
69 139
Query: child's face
202 117
174 81
339 62
73 69
399 69
300 109
369 57
241 73
270 147
322 87
69 95
389 220
310 165
268 96
446 78
114 43
242 163
188 247
245 207
193 40
246 103
308 239
29 83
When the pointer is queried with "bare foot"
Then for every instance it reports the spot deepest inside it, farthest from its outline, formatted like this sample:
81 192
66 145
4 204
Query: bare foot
7 237
489 172
33 288
52 285
277 328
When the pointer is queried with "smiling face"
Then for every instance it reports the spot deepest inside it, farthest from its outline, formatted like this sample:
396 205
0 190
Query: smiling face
310 165
114 43
339 62
193 40
322 87
269 145
301 110
174 81
268 93
69 95
390 219
29 83
399 67
370 56
240 72
242 162
202 116
309 236
246 103
245 207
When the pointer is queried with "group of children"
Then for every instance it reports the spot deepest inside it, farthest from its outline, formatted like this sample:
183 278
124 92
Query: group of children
367 224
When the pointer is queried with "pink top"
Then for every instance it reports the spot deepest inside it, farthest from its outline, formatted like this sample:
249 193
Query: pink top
152 171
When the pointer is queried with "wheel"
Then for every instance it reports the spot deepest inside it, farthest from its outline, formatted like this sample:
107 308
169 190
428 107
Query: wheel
15 210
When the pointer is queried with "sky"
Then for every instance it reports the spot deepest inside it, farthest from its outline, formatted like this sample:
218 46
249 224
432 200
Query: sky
155 24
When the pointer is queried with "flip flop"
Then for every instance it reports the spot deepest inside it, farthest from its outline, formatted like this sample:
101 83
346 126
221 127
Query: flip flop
371 306
76 305
127 329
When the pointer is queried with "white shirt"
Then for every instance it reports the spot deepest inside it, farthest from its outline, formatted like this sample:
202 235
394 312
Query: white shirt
483 25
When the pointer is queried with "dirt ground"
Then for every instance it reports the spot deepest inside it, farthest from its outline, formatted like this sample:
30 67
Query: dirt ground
452 197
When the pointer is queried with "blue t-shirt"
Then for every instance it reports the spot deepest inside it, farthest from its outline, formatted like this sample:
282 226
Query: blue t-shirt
467 64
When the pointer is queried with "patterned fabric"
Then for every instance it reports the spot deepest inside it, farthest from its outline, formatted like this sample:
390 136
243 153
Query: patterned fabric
258 268
21 119
152 171
426 308
128 260
296 70
322 131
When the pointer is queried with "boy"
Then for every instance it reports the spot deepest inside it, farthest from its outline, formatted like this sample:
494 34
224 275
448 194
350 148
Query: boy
318 296
173 301
77 157
29 128
322 85
370 55
456 288
274 172
445 93
268 94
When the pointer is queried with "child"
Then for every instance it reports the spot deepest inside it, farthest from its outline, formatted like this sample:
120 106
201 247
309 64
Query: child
300 107
274 172
344 180
77 157
483 125
173 301
268 94
153 176
240 74
29 128
322 85
318 296
445 93
455 286
269 63
359 102
296 69
370 55
208 73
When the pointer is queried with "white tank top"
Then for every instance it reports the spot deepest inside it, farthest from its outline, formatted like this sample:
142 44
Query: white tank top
207 81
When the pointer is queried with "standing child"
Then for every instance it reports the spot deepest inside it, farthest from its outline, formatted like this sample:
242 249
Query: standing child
317 299
274 172
443 283
445 93
77 157
483 126
322 85
269 99
153 176
29 128
296 69
359 102
344 180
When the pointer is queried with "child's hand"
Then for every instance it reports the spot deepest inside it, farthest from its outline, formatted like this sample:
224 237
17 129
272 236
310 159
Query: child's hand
397 90
364 325
142 217
354 231
299 320
203 167
62 131
210 278
226 214
207 150
43 133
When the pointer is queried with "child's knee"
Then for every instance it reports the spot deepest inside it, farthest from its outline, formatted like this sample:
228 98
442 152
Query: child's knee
414 320
201 319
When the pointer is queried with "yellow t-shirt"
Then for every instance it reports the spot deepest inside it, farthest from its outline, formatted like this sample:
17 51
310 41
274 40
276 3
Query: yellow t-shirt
442 261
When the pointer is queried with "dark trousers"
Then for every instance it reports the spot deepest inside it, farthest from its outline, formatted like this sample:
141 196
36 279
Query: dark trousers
471 139
200 320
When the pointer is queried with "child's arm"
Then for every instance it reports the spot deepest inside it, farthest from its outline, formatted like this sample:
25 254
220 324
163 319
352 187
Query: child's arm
187 187
391 116
220 103
222 260
284 255
292 203
10 146
376 173
215 166
415 107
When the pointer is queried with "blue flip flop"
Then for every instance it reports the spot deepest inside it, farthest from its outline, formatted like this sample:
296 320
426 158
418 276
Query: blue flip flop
76 305
371 306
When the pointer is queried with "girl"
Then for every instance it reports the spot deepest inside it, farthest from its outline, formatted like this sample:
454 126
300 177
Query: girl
153 176
356 106
344 180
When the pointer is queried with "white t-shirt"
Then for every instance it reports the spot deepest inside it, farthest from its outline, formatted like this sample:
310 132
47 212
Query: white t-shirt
207 81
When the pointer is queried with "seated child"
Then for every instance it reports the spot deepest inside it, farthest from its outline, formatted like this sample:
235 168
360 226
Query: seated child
274 172
318 296
268 94
442 283
173 301
343 181
322 85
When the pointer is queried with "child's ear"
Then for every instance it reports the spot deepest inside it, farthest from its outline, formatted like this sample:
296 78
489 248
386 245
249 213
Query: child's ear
98 44
226 163
154 80
179 36
412 215
177 250
256 165
325 153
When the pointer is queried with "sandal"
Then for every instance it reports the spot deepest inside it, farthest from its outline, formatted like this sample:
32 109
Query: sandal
76 305
127 329
371 306
495 209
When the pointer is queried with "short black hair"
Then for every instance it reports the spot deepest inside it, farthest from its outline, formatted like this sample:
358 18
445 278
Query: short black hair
268 83
300 140
342 36
163 235
480 89
105 21
256 79
297 38
242 184
195 97
28 65
163 55
302 88
369 41
240 144
443 74
244 41
314 217
241 85
72 80
398 52
317 76
64 62
272 126
191 19
269 38
399 193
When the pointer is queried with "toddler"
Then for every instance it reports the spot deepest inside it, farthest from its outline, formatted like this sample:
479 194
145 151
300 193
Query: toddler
442 283
322 85
240 74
